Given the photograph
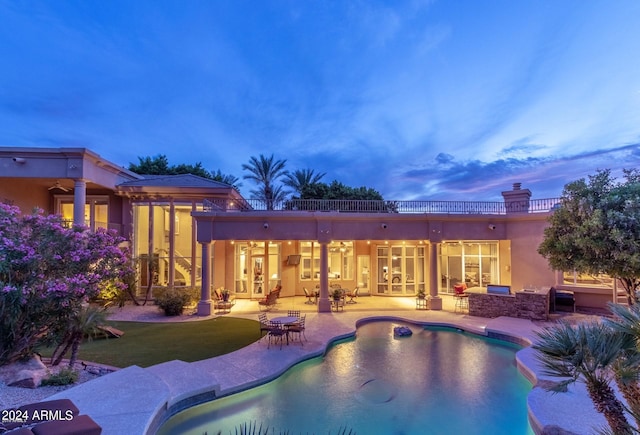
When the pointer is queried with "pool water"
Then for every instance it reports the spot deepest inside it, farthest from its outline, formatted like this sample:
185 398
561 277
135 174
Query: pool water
437 381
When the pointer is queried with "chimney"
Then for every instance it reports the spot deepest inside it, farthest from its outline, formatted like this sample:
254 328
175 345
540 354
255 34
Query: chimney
516 200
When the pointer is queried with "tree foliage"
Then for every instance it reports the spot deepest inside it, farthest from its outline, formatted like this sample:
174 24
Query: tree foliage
337 190
229 179
266 173
596 229
159 165
339 197
47 271
300 179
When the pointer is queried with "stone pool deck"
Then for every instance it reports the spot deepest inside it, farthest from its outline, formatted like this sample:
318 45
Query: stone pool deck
136 400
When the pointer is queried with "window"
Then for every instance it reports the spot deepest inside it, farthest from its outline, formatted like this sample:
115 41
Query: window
96 210
257 267
472 263
401 269
340 260
151 237
587 280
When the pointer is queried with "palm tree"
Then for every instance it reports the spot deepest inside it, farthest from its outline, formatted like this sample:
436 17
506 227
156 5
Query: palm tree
585 352
301 178
87 322
229 179
265 172
626 371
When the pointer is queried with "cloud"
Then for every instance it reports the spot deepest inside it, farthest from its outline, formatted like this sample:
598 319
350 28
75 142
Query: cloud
521 147
448 178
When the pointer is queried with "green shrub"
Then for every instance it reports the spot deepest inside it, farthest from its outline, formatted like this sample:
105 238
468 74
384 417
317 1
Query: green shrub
63 377
173 301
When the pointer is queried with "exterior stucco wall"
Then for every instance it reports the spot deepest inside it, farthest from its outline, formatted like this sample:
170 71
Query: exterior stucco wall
25 195
527 266
221 266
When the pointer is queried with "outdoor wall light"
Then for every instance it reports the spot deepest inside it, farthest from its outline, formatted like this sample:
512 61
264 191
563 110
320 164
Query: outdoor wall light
492 227
265 225
383 226
20 160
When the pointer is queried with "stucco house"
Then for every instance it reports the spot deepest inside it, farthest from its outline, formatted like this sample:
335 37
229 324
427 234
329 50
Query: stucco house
202 233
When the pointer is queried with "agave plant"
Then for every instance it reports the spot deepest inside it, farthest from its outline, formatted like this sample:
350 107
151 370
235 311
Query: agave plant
586 353
626 370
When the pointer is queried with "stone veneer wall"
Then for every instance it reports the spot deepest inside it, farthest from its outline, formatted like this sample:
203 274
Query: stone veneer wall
534 306
487 305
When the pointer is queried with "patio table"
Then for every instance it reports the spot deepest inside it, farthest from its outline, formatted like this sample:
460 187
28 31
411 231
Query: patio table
286 321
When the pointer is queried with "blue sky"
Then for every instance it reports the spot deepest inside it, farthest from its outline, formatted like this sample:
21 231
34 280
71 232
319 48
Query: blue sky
417 99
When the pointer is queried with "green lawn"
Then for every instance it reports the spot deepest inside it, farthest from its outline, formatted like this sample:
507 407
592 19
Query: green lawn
146 344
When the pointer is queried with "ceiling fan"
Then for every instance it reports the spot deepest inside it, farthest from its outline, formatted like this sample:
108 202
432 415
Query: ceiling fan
59 186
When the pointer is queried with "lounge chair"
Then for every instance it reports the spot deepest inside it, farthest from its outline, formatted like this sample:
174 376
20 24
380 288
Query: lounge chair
352 295
269 301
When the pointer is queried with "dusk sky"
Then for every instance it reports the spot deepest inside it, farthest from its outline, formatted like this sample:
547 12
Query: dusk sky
417 99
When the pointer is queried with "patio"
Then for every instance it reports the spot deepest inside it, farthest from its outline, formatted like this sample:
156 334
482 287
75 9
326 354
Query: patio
136 400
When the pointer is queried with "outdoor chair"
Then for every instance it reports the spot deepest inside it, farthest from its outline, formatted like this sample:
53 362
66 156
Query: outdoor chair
278 332
311 298
269 301
299 329
276 290
293 313
222 305
461 298
352 295
264 325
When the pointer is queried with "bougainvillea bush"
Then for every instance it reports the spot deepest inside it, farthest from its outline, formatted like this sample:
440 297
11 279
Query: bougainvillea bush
47 271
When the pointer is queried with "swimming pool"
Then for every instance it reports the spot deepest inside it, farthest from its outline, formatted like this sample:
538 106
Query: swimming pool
437 381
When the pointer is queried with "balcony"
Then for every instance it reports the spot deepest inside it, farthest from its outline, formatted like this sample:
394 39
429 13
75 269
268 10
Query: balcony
365 206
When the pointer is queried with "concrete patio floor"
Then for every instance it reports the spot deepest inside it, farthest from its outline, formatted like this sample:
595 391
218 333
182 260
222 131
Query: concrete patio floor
136 400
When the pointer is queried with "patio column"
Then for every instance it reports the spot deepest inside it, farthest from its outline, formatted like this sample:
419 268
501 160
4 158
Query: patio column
324 304
204 306
434 302
79 201
172 235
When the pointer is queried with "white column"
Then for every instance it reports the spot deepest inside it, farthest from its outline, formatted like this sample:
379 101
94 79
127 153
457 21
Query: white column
204 306
193 245
153 268
434 302
172 236
79 201
324 304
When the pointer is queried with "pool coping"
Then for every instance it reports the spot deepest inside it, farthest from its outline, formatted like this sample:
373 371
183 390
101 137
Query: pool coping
138 400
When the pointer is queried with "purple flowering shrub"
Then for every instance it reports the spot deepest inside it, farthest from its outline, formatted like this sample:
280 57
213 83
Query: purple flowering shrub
47 271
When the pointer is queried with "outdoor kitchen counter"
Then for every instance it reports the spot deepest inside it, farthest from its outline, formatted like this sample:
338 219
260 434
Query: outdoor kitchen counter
530 304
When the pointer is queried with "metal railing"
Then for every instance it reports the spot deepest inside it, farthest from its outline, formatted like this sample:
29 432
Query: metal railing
366 206
114 227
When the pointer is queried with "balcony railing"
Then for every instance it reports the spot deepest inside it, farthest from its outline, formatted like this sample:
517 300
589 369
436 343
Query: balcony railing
365 206
68 223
